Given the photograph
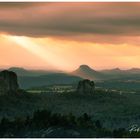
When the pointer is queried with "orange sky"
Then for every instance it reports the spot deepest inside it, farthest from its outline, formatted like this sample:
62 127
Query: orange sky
65 35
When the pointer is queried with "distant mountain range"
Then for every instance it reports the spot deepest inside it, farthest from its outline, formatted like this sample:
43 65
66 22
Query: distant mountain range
24 72
85 71
119 71
32 78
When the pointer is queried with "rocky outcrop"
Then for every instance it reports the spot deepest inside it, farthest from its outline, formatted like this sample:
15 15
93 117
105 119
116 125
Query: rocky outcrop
86 87
8 82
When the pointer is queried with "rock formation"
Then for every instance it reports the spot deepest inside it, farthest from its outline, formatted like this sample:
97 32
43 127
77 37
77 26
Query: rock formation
86 87
8 82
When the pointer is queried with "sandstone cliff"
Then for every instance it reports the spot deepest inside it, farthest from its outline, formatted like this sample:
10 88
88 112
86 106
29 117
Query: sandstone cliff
86 87
8 82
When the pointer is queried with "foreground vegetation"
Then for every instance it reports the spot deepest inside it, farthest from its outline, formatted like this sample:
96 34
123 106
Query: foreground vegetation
112 111
40 123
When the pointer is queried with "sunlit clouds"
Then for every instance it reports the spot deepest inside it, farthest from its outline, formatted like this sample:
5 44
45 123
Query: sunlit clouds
68 55
65 35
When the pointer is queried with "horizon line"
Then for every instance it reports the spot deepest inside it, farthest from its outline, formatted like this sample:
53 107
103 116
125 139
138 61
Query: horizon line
47 69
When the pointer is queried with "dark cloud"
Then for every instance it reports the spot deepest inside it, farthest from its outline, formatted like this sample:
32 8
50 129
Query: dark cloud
20 4
70 19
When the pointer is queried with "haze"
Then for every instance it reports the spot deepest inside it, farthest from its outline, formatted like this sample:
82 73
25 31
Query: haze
65 35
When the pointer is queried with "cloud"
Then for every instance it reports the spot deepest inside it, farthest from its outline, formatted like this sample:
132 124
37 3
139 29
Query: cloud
18 4
72 20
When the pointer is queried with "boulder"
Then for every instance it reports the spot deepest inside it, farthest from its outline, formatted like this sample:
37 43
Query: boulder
86 87
8 82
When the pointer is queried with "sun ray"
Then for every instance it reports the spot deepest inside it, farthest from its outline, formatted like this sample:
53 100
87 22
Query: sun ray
38 50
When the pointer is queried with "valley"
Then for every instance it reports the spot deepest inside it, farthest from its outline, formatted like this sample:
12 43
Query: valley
113 102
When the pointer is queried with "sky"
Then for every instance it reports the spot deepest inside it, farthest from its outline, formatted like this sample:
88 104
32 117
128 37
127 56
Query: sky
64 35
